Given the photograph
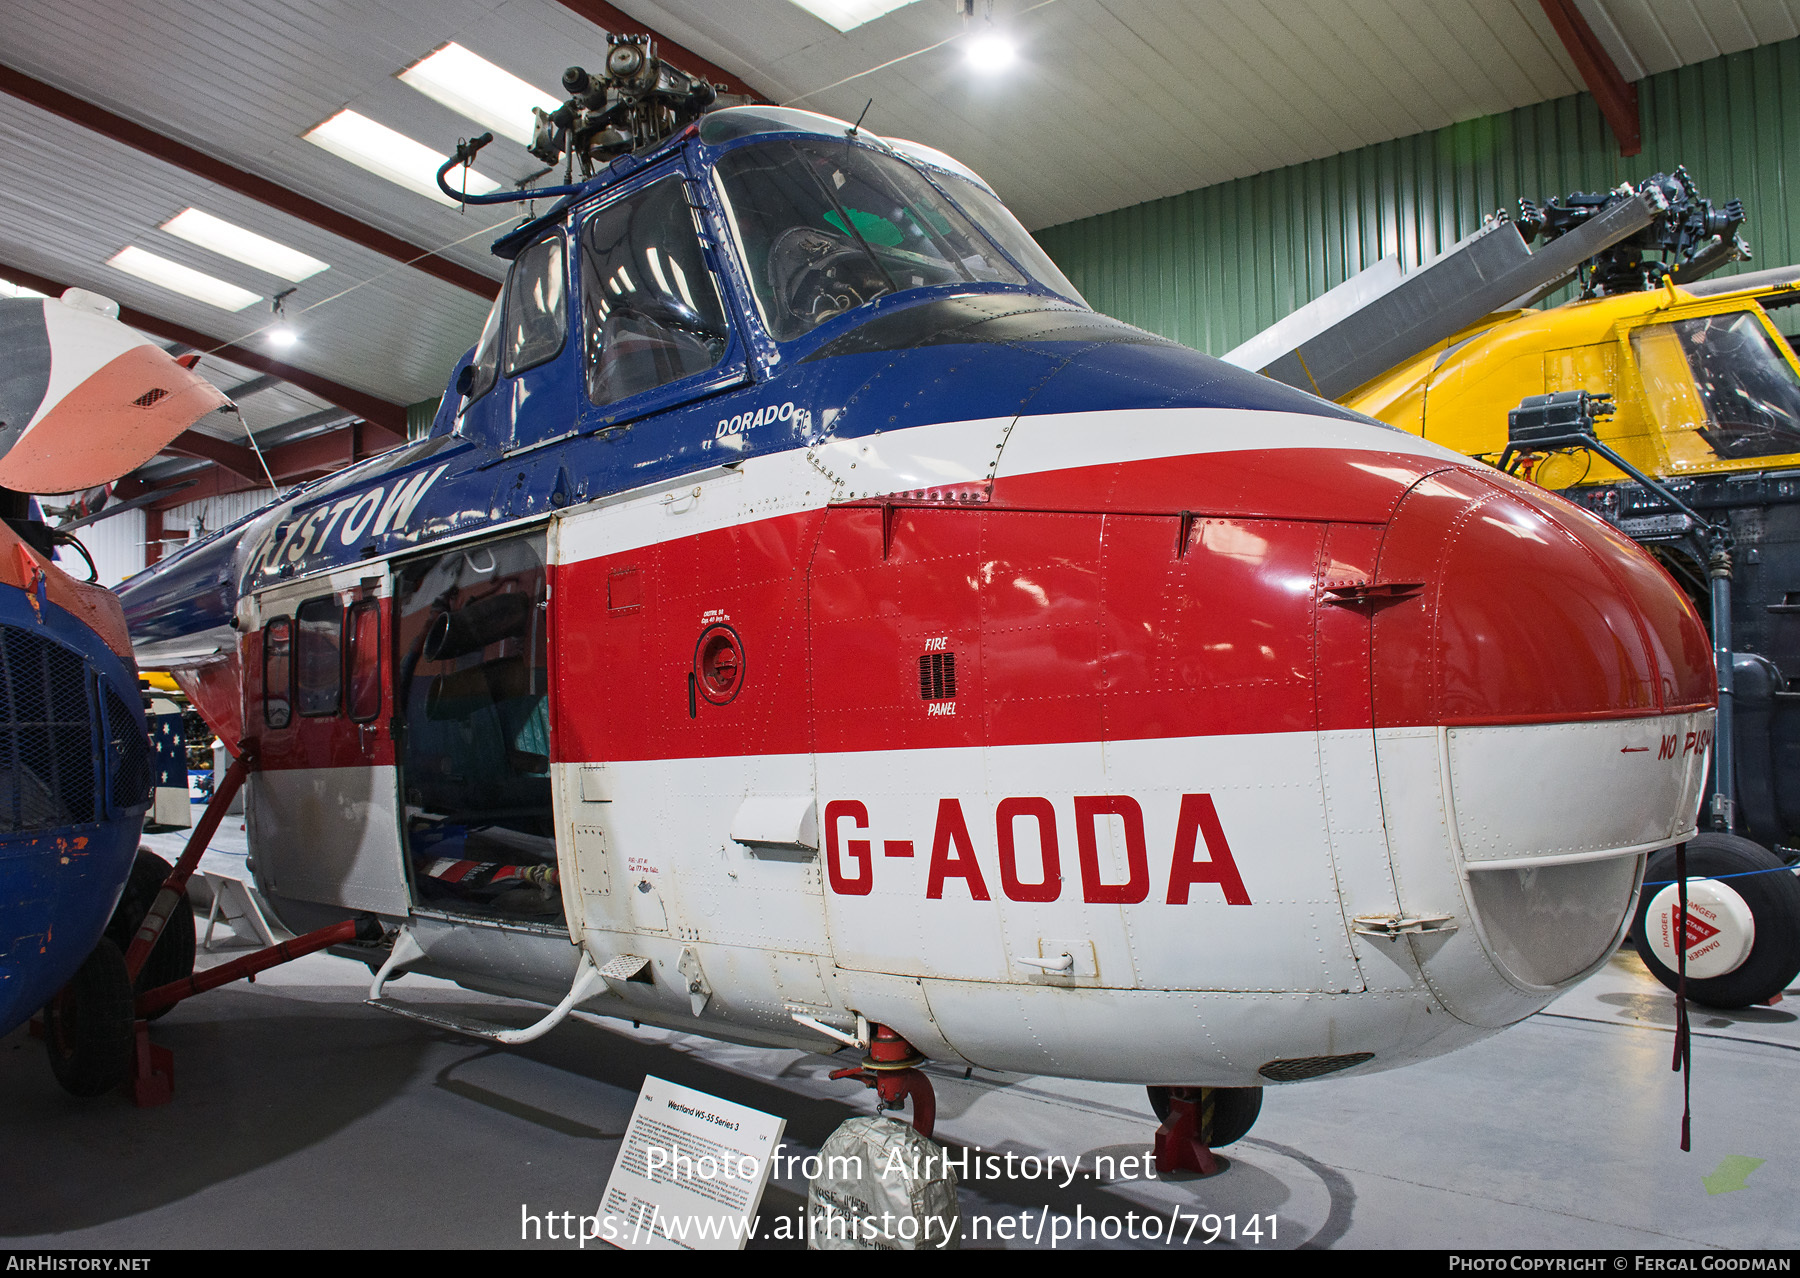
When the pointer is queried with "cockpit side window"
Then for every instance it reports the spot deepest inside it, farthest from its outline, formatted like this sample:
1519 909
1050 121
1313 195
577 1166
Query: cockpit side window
652 311
537 309
1722 376
484 369
828 226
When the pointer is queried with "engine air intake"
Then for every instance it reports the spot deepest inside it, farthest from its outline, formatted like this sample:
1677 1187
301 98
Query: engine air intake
47 772
127 754
1303 1067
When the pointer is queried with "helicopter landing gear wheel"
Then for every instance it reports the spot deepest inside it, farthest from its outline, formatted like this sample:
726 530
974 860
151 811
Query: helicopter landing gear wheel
1743 922
1197 1120
88 1025
173 957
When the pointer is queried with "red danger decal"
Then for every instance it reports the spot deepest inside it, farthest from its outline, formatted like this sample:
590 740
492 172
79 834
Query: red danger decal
1698 930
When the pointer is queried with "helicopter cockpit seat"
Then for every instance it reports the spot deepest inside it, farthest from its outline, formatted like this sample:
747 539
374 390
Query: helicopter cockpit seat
817 275
640 351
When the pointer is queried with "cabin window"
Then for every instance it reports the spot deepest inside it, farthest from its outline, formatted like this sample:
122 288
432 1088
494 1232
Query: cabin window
320 666
537 310
653 314
826 227
362 658
484 369
278 672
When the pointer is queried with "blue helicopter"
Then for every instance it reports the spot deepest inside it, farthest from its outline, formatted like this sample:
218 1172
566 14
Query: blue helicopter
83 400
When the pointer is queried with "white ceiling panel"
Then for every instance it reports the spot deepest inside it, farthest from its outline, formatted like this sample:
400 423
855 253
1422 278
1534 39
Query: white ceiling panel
1111 103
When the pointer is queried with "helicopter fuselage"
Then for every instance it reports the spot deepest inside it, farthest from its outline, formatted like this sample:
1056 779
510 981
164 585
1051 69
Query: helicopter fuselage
939 654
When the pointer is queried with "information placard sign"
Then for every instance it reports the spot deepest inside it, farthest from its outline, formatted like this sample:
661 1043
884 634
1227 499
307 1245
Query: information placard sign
691 1172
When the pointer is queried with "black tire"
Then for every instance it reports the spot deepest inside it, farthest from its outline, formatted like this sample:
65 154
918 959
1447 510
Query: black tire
88 1025
173 957
1774 901
1233 1111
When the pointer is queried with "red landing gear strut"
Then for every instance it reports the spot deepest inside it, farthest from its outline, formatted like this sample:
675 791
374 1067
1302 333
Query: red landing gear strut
891 1068
151 1079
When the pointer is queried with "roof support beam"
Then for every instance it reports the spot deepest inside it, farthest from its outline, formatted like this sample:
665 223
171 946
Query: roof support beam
617 22
245 389
260 189
235 458
1617 99
389 416
297 462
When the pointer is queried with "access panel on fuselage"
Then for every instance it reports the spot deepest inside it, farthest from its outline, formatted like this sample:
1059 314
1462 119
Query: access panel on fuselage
682 717
1050 733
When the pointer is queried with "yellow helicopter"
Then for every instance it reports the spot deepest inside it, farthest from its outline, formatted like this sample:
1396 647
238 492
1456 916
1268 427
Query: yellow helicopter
1669 406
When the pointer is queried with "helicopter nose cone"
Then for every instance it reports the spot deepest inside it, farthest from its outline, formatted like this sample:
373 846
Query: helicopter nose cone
1549 680
1530 611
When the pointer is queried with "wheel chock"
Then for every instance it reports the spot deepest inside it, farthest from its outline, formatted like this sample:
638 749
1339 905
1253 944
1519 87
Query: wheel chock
1179 1146
152 1080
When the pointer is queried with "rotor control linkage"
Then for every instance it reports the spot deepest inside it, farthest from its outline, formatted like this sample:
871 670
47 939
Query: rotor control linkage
1694 236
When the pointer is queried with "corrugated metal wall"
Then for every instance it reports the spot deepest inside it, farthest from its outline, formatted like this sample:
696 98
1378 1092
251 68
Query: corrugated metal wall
1213 267
419 417
214 513
117 547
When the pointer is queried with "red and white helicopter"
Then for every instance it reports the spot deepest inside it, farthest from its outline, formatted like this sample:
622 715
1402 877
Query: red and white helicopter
808 622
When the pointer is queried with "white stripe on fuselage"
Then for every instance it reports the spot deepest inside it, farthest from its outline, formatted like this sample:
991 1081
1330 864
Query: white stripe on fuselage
944 455
1059 441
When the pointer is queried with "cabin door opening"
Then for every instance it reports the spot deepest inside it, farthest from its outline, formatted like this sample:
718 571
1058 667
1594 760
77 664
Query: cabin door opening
472 707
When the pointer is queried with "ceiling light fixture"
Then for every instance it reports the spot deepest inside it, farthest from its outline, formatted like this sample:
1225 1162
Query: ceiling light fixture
239 244
185 280
470 85
392 155
282 334
989 51
847 15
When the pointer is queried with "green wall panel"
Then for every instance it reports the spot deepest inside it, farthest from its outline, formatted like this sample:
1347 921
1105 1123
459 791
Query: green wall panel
1212 267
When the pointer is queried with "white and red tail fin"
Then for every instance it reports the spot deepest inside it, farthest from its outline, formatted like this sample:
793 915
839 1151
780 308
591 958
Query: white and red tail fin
85 399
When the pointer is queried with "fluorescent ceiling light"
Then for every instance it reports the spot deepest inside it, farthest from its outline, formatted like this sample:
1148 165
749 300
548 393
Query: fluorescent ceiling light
9 289
470 85
243 246
847 15
392 155
183 279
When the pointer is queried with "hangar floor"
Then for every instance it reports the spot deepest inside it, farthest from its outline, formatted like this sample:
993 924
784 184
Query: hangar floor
303 1118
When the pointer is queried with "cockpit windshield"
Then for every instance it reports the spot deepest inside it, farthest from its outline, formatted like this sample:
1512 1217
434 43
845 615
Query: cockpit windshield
827 226
1743 397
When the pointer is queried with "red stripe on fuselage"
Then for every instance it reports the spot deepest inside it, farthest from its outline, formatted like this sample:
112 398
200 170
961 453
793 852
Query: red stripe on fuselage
1068 607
